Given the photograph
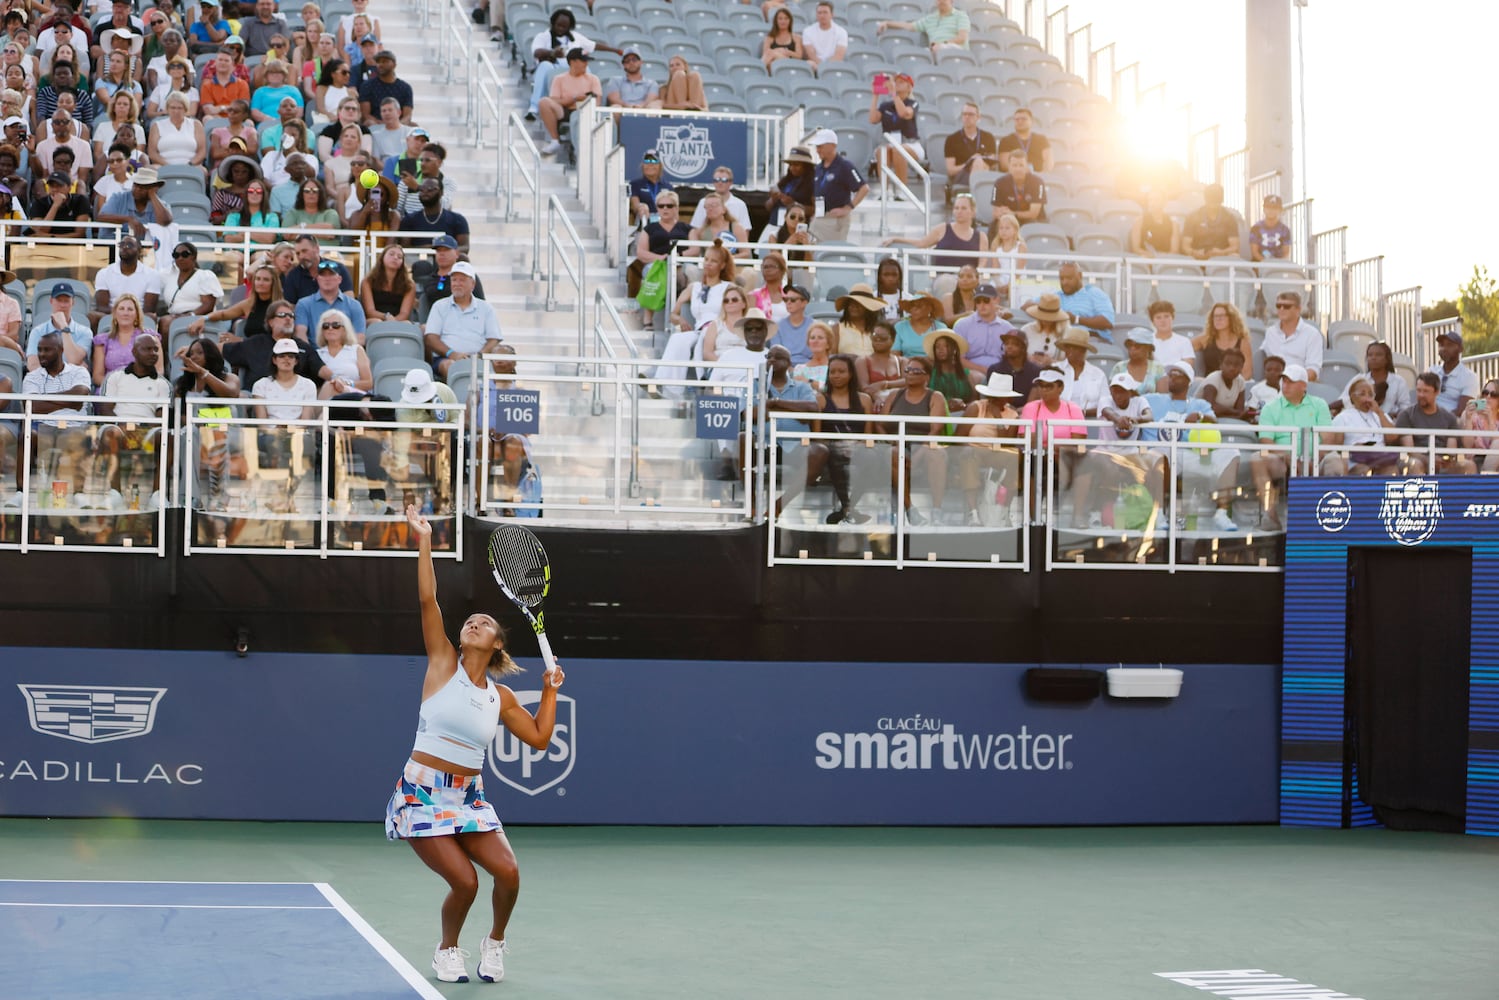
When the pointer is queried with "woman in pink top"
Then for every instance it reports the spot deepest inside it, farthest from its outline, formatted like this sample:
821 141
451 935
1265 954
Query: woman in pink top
1048 407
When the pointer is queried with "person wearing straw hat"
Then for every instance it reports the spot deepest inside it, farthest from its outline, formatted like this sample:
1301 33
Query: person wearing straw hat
1049 323
949 375
796 187
839 185
989 448
231 178
858 311
1083 383
923 315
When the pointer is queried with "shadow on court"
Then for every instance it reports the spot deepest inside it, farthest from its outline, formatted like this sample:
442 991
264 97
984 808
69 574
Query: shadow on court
788 913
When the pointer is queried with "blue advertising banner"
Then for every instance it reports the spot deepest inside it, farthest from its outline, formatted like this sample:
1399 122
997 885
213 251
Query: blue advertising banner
718 417
690 146
515 411
1328 517
315 737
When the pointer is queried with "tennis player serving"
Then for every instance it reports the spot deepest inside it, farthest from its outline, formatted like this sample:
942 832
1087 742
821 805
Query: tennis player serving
439 806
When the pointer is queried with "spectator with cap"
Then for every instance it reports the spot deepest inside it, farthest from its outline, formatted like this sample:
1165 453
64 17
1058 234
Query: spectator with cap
301 281
286 394
384 84
1459 383
1015 364
643 189
126 276
1019 192
329 295
432 217
388 139
429 164
896 117
791 330
1035 146
1053 417
1292 407
823 40
733 205
550 49
633 89
838 185
76 340
139 207
1115 468
363 67
409 160
1177 404
419 387
59 205
1270 238
1212 230
461 325
568 90
1293 339
438 284
1141 364
983 330
209 31
1083 382
944 27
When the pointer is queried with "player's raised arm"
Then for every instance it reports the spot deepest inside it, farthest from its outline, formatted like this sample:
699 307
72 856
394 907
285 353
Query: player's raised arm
438 646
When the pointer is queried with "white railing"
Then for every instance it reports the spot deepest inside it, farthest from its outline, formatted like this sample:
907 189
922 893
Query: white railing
889 182
523 160
574 259
1400 326
1431 452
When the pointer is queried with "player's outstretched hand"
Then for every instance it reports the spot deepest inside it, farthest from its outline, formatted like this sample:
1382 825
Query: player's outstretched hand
554 677
419 524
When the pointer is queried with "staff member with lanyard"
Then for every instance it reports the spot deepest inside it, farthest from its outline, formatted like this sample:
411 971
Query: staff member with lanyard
839 188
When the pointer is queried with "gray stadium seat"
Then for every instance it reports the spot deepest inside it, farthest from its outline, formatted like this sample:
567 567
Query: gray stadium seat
1352 336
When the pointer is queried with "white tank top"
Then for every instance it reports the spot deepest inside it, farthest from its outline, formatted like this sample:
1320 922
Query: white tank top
458 721
344 364
176 146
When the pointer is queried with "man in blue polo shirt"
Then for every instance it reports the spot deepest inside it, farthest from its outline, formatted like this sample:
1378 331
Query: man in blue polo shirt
461 325
632 90
838 186
328 296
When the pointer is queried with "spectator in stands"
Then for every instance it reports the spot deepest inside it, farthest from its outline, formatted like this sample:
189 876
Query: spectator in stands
139 378
439 285
1169 345
158 53
1391 393
880 371
1365 429
59 205
1176 405
347 23
1428 414
814 371
1225 389
52 374
428 167
786 393
177 139
792 329
139 207
944 27
1083 383
718 225
959 302
858 311
287 394
1212 230
123 115
252 355
384 84
1483 416
568 91
889 285
345 366
1459 384
1020 192
643 189
1225 331
115 80
1270 239
1049 407
781 41
298 168
793 232
1015 363
258 31
1116 468
1293 339
1154 232
329 295
969 151
1263 391
126 276
1009 249
733 205
333 89
314 210
1086 305
950 374
64 163
64 137
222 88
550 49
461 325
1035 146
824 41
983 331
916 398
684 87
795 186
231 179
279 51
419 387
76 347
1141 365
254 215
387 291
654 243
266 100
840 186
178 80
896 117
723 332
317 48
114 348
959 234
388 139
377 208
769 298
254 309
64 80
923 315
189 290
633 89
994 401
209 31
700 302
841 395
1293 407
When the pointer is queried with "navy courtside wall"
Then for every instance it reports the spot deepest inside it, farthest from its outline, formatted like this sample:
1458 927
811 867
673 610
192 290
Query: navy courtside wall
1327 518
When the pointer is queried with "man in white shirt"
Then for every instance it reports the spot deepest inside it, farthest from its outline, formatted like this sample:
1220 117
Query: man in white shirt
126 276
1459 382
1083 383
54 376
733 205
549 49
460 325
1293 339
1169 345
141 379
825 41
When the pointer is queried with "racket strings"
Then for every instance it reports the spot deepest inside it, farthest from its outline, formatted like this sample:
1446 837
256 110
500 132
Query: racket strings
518 557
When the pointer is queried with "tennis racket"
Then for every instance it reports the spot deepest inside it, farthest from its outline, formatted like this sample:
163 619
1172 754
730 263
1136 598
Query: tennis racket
520 567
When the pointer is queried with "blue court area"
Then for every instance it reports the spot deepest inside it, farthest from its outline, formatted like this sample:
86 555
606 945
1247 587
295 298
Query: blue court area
241 940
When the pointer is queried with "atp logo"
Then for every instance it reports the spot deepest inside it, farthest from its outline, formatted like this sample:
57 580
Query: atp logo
684 149
87 714
1411 510
527 769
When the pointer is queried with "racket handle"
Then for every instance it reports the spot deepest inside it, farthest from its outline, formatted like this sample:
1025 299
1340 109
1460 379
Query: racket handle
546 652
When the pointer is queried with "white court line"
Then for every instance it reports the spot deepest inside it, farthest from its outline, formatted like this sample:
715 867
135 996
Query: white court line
397 961
166 906
132 881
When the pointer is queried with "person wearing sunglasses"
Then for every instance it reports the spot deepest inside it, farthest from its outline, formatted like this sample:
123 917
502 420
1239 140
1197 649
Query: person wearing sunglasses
1293 339
645 188
189 290
733 205
634 89
654 243
329 295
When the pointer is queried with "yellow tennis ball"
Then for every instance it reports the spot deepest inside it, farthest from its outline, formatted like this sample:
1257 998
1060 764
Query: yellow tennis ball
369 178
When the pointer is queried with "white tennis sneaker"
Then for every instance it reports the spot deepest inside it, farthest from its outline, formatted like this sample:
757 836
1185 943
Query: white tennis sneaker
448 963
491 960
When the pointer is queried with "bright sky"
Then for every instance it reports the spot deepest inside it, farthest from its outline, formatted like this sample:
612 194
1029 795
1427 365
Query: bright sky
1401 147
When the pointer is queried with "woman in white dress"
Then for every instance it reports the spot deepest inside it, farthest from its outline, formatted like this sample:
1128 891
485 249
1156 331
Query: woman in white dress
697 306
346 367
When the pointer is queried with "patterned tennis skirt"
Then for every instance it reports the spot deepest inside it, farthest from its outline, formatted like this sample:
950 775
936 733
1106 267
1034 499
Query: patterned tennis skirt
432 803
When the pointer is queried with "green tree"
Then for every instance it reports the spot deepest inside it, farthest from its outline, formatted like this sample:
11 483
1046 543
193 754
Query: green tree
1478 305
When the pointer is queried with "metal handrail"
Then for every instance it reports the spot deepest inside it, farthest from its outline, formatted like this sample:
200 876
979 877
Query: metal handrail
888 180
558 222
518 145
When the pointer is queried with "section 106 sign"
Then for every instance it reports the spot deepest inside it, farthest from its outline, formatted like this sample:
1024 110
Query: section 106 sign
515 411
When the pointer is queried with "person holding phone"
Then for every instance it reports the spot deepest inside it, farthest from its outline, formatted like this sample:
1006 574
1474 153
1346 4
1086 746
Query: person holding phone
896 116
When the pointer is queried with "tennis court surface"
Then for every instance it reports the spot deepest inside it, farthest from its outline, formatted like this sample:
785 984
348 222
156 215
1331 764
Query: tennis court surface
252 910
